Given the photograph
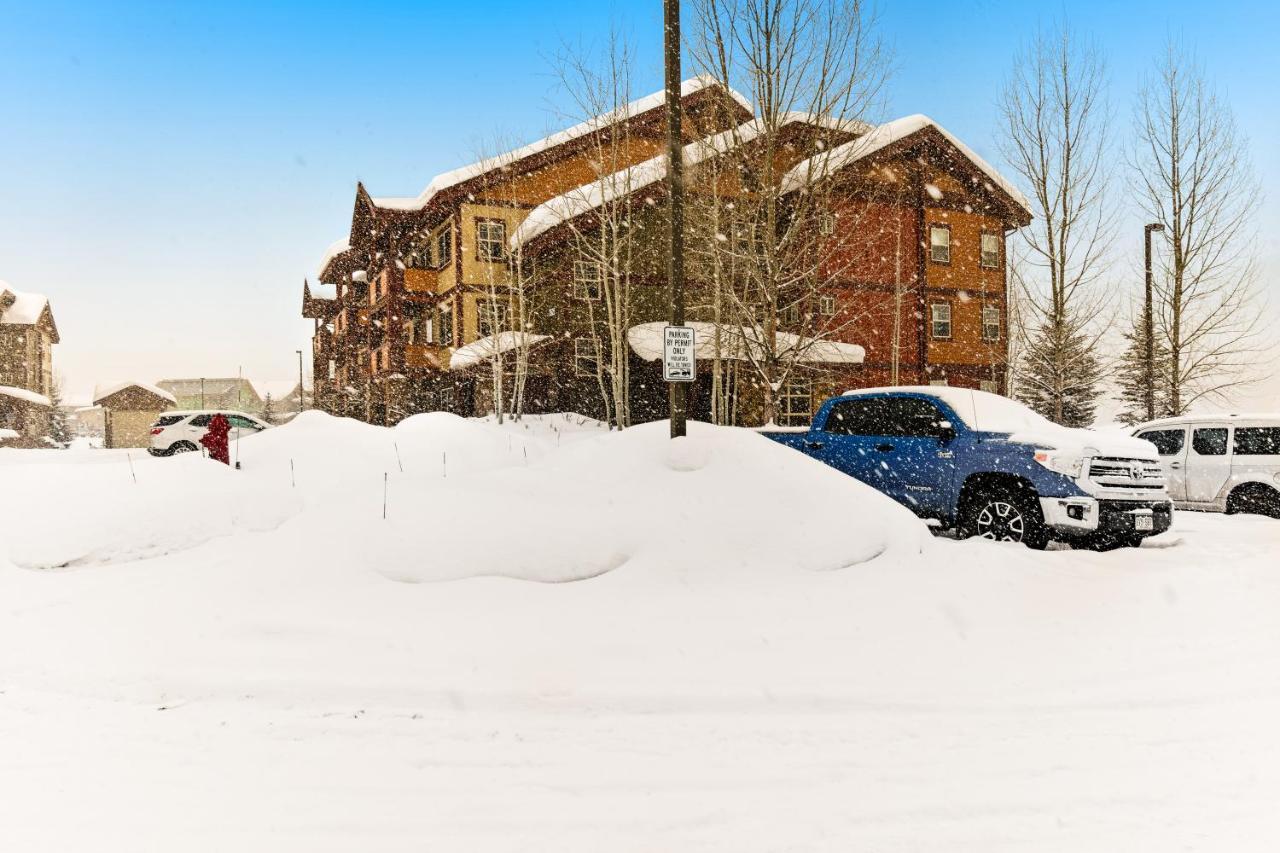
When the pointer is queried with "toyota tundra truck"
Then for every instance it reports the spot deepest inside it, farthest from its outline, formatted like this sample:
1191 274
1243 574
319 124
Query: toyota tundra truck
991 467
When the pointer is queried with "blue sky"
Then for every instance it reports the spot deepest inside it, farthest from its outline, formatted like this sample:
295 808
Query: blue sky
169 173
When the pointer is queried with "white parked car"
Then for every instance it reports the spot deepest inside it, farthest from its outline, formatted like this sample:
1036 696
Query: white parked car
180 432
1220 463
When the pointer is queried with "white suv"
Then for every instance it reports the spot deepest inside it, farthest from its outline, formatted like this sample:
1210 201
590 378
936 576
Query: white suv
180 432
1220 463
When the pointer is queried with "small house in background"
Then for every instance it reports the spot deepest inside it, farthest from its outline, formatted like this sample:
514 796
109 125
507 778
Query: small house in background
129 409
234 394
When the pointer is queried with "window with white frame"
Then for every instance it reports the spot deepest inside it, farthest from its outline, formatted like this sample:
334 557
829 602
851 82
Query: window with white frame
411 332
443 248
795 402
444 322
491 239
790 314
826 224
940 244
940 320
991 324
586 356
827 305
493 316
989 385
587 279
990 251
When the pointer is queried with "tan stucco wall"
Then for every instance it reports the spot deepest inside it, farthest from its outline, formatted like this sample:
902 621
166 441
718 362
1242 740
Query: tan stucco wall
129 428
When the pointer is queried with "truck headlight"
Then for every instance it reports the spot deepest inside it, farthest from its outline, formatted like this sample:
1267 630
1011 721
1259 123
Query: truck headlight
1062 463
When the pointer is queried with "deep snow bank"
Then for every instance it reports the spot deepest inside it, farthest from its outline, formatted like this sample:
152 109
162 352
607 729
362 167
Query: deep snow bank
462 498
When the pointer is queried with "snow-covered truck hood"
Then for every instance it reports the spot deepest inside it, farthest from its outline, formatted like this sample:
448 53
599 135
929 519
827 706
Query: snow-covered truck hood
1086 442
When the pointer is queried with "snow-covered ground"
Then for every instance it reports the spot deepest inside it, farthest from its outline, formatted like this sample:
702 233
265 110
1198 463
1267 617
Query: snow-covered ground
755 653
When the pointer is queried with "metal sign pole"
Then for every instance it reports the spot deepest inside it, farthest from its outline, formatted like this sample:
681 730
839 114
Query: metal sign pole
679 391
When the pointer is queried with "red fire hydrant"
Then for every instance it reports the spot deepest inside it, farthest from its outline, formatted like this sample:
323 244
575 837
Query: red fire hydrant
216 439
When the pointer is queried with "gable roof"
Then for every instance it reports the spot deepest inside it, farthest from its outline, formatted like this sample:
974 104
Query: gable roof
635 108
101 392
212 386
881 137
591 196
24 309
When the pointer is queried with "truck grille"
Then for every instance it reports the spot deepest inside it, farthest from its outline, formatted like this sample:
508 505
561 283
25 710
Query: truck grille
1126 473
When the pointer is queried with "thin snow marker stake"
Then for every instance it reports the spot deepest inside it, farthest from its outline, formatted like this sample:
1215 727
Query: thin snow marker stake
384 495
132 474
444 463
293 480
526 454
396 445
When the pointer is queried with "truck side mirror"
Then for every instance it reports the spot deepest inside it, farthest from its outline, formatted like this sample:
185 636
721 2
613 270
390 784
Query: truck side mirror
946 432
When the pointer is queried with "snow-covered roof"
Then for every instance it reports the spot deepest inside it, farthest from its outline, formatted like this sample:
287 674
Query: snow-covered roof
335 249
474 170
590 196
1210 416
25 396
26 308
737 342
209 385
880 137
8 433
321 290
487 347
101 392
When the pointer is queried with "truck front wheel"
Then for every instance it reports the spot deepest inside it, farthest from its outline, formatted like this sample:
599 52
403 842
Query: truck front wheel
1005 515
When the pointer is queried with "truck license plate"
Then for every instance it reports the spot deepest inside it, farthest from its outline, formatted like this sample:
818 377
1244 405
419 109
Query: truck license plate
1143 522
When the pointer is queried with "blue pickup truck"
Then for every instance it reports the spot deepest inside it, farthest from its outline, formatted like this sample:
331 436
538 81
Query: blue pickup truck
990 466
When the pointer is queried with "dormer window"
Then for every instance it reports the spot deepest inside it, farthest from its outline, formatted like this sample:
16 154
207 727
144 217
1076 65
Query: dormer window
587 277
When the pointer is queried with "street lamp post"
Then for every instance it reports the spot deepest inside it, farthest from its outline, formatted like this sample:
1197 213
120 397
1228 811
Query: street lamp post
301 394
1149 328
679 391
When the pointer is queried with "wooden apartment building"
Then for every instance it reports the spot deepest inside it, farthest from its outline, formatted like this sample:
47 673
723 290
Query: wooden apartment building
410 307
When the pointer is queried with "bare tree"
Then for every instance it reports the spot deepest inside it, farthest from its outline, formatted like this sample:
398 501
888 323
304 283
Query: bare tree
1056 138
604 255
819 58
1194 176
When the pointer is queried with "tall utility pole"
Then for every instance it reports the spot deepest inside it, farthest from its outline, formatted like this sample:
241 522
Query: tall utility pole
1149 329
301 395
679 391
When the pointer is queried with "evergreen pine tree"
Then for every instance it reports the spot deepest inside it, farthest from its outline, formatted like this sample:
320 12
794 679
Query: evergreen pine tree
1060 375
269 410
59 428
1132 379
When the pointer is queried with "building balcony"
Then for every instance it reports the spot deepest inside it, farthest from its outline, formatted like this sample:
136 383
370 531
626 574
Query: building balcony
426 356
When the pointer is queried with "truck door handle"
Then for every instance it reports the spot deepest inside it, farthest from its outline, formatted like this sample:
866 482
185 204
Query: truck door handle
884 448
814 445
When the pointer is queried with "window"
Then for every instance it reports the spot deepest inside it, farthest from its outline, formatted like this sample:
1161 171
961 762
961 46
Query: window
1211 441
940 244
897 417
1257 441
200 421
491 240
826 225
940 316
991 324
168 420
586 356
989 385
587 278
492 317
241 422
990 251
795 403
411 332
444 322
790 314
1168 442
333 369
827 305
444 248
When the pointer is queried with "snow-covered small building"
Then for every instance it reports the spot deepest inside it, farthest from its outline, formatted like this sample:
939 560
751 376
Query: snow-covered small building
27 336
129 409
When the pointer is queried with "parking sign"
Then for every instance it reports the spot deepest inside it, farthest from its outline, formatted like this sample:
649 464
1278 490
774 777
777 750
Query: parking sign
677 354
